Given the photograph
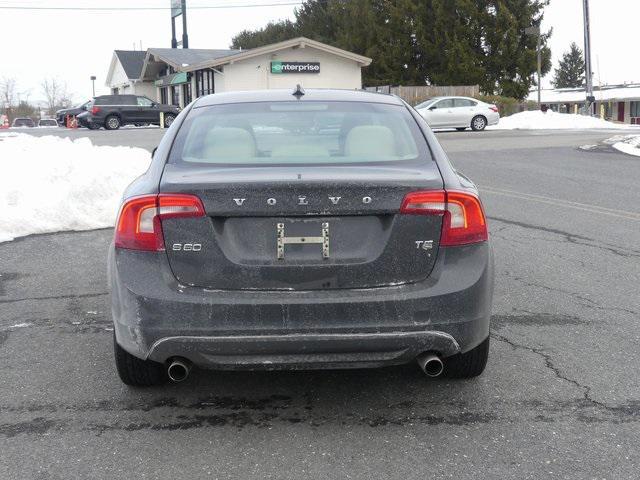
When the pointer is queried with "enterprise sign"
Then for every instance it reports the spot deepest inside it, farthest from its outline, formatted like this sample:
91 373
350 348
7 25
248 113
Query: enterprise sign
295 67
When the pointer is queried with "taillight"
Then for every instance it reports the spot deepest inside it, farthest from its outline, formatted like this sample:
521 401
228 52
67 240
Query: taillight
493 108
95 110
463 220
139 222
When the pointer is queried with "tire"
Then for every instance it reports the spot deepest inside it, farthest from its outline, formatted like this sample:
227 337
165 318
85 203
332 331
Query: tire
135 372
93 126
461 129
168 120
478 123
469 364
112 122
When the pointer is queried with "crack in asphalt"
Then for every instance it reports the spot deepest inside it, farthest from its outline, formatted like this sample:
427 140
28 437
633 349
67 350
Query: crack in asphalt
586 390
55 297
574 238
585 301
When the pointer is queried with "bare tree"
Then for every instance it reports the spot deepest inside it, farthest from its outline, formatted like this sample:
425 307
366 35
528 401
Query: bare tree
56 94
7 92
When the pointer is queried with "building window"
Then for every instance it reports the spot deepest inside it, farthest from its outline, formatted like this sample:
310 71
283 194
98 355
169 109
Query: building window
175 95
204 82
186 93
634 109
163 95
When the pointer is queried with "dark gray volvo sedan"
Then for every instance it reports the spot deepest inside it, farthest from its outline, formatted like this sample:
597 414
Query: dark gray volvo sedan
317 229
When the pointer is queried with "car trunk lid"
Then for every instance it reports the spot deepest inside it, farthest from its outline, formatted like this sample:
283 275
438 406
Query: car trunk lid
301 228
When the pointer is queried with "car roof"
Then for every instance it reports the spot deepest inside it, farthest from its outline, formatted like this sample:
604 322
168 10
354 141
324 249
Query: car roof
286 95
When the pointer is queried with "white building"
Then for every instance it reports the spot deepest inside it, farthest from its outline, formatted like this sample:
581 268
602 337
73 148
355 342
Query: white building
124 72
619 103
177 76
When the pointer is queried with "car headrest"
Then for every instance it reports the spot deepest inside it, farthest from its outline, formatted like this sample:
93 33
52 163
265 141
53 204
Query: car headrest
370 141
229 142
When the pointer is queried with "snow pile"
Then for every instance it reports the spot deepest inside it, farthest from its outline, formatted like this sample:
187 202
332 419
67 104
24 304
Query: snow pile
50 184
537 120
629 144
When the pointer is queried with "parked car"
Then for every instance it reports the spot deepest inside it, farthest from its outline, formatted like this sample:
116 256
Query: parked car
47 123
459 113
113 111
23 122
257 240
61 115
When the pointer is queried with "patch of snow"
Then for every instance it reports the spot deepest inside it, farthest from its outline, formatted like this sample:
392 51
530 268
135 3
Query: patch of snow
51 184
629 144
538 120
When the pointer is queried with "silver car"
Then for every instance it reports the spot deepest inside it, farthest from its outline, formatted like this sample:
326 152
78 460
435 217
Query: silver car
459 113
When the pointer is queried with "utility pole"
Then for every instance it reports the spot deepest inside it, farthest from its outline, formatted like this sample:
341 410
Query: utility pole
587 58
93 84
536 31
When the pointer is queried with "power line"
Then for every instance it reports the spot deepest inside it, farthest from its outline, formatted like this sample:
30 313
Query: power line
197 7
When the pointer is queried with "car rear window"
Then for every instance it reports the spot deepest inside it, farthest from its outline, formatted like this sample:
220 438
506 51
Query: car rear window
298 132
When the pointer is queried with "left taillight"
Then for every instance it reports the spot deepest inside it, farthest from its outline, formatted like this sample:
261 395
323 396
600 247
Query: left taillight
493 108
463 217
95 110
139 227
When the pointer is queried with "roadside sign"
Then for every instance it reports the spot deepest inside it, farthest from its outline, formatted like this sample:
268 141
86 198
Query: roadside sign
176 8
279 67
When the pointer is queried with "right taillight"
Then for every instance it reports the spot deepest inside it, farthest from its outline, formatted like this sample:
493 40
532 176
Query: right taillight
139 222
463 219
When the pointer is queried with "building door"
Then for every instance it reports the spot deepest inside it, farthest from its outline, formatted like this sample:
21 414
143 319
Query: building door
621 111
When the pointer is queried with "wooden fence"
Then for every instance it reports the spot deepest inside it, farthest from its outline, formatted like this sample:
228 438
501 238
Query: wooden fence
416 94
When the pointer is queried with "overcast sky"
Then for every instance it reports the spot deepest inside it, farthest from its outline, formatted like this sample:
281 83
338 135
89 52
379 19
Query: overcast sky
73 45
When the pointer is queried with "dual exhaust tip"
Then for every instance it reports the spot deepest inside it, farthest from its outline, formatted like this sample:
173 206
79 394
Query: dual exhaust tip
430 364
178 369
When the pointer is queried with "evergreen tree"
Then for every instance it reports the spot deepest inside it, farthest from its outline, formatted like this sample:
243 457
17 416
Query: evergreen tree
570 71
418 42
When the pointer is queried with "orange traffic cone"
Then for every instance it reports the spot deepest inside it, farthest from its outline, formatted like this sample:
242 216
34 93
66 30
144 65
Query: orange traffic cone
71 121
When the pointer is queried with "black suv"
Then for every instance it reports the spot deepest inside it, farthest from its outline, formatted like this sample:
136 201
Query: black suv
113 111
61 115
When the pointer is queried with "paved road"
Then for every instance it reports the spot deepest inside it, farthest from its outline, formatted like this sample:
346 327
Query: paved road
559 399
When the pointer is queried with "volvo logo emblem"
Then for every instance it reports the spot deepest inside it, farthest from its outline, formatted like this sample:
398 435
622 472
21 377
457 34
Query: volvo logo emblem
303 200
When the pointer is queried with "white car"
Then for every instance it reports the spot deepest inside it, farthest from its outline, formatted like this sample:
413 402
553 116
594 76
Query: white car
458 112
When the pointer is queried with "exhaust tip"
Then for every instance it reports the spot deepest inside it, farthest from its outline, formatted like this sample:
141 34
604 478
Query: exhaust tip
430 364
178 370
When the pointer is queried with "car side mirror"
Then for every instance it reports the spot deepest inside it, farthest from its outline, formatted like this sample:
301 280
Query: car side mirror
433 108
153 152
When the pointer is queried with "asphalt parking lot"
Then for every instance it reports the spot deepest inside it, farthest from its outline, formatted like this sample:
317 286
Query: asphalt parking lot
559 399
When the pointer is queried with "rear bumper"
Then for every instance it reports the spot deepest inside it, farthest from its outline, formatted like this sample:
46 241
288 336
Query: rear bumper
493 118
308 351
156 318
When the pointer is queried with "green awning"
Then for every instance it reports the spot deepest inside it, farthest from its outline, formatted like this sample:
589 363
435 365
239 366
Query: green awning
173 79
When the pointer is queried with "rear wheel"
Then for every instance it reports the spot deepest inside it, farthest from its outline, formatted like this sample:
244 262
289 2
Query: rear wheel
168 120
136 372
112 123
478 123
469 364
